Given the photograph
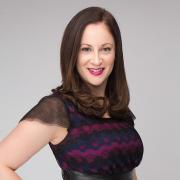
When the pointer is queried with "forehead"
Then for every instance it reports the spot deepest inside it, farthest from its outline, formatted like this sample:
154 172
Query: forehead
97 34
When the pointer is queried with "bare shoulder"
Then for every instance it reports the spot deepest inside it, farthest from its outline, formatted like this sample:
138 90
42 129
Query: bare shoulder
25 140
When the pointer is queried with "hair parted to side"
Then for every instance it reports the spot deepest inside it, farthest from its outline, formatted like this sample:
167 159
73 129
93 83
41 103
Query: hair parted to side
117 95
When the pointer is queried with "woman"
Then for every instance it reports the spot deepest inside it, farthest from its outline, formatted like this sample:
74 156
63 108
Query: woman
86 120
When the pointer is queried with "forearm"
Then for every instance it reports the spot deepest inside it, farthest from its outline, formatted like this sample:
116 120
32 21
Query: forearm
8 174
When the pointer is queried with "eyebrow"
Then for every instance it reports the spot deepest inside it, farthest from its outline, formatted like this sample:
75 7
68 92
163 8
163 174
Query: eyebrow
102 44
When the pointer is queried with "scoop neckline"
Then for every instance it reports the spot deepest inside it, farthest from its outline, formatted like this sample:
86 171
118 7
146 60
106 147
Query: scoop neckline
106 118
102 119
95 117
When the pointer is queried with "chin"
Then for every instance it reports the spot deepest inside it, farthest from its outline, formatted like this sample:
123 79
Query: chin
95 84
91 84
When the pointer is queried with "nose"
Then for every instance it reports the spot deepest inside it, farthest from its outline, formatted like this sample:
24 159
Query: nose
96 59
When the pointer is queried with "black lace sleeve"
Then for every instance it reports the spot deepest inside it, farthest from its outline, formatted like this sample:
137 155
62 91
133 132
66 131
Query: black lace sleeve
51 110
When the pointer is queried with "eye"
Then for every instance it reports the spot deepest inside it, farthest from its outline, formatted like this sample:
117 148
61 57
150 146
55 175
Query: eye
86 49
107 49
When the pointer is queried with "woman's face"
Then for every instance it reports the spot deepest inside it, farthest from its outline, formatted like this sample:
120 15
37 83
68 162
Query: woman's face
96 56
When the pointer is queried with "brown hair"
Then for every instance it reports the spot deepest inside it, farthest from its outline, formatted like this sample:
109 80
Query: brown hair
117 96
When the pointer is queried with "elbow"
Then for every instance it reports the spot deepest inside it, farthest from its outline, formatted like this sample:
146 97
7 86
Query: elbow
8 173
2 166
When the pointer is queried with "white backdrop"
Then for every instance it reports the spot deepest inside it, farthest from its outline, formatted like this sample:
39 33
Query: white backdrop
30 36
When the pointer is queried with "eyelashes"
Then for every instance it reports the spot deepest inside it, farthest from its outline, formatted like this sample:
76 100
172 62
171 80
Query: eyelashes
107 49
87 49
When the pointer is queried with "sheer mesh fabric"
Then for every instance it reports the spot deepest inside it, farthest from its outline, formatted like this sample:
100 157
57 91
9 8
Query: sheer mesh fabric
50 110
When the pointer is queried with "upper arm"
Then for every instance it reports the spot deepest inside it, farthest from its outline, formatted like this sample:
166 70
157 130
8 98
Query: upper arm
134 176
26 139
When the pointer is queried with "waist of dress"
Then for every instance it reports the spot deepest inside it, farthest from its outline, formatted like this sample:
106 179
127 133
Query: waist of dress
75 175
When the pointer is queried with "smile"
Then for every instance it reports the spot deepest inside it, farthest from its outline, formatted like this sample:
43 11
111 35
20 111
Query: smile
96 72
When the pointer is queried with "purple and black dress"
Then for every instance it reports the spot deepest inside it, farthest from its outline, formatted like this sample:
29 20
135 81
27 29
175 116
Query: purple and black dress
94 148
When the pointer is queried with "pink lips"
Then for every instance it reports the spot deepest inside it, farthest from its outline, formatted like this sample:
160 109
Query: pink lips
96 72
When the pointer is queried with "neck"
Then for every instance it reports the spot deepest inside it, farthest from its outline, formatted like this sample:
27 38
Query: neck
98 91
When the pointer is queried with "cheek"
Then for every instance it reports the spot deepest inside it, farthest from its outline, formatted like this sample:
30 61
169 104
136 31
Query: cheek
80 64
82 61
110 60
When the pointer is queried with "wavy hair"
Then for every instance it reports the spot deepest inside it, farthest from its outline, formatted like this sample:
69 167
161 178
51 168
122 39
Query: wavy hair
117 95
